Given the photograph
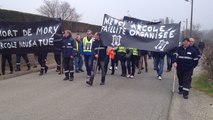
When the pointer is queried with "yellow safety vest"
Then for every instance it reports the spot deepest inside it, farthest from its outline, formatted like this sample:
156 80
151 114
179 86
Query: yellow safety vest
77 48
121 49
87 45
134 51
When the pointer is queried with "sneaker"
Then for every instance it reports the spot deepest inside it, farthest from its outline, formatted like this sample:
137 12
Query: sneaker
17 70
77 71
81 70
35 66
66 78
88 76
139 72
116 68
185 96
110 68
131 76
46 68
159 78
71 78
102 83
128 76
180 92
89 83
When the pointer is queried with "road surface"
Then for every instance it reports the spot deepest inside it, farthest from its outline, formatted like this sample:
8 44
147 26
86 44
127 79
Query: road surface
48 97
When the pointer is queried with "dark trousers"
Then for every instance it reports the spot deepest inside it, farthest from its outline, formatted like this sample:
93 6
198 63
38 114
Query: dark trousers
42 61
88 63
169 61
131 65
57 56
9 60
106 63
123 65
116 60
18 60
94 70
69 67
184 79
113 63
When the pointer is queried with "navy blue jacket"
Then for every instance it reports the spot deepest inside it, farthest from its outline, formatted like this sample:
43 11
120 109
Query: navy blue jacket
68 47
98 48
198 55
185 58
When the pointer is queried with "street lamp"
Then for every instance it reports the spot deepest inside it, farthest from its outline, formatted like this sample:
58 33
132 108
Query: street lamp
192 1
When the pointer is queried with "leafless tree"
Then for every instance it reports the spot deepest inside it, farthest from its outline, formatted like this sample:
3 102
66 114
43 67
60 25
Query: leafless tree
59 9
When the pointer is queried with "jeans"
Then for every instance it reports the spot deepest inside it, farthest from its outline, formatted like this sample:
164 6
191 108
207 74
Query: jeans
88 63
131 65
94 70
78 62
169 61
159 65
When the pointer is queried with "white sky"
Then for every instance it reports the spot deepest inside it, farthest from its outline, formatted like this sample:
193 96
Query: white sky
92 11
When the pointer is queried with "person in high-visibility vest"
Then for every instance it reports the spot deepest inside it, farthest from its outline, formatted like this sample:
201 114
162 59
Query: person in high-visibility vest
122 57
87 52
78 55
111 52
131 62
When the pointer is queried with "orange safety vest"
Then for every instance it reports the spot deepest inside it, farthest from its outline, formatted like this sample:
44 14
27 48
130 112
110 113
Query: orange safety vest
111 53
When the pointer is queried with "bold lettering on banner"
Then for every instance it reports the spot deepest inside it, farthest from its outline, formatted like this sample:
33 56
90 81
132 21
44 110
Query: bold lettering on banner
162 28
5 45
27 32
8 33
47 30
46 42
171 34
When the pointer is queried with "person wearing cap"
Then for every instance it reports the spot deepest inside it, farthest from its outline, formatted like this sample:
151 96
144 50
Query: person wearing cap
183 60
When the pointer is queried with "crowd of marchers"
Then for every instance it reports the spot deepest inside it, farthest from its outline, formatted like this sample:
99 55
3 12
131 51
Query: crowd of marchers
90 50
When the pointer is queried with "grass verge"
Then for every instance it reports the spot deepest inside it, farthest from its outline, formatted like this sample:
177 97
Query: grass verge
202 83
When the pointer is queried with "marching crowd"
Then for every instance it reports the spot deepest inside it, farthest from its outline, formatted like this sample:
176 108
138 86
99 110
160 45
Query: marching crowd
91 51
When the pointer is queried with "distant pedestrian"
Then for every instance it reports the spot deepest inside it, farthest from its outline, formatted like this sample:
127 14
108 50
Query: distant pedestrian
42 60
78 54
122 57
201 46
159 59
3 64
131 62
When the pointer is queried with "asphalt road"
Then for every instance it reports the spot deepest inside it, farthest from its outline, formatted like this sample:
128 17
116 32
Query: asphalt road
48 97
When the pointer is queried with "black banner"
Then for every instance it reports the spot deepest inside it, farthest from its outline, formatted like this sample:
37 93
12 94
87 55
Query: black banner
138 21
157 37
30 37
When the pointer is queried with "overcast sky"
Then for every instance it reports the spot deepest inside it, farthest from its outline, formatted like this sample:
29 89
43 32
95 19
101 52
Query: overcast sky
92 11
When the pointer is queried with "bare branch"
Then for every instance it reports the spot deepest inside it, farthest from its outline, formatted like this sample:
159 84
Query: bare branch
59 9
